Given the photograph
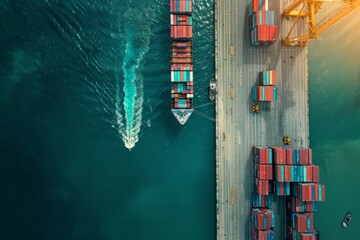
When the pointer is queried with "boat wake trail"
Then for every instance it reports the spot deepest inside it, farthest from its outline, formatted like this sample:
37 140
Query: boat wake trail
130 97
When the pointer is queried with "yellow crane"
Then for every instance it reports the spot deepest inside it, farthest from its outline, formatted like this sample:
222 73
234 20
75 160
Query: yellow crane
308 11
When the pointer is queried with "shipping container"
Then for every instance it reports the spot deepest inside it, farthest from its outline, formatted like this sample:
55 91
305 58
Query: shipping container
180 20
295 173
279 155
261 201
302 222
294 204
308 191
263 155
262 186
262 219
261 17
263 171
267 78
257 234
181 6
256 5
282 188
264 94
292 234
181 32
181 76
264 35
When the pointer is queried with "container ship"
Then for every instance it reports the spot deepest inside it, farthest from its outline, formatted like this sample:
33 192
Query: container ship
182 89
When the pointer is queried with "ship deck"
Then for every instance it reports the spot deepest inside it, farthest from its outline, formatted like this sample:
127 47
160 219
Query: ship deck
237 128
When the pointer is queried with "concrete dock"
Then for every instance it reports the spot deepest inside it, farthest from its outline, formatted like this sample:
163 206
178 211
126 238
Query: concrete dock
237 128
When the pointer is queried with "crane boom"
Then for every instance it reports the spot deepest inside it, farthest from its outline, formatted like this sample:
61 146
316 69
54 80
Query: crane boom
308 9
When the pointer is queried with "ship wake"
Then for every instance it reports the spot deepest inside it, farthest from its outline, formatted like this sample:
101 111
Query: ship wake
129 100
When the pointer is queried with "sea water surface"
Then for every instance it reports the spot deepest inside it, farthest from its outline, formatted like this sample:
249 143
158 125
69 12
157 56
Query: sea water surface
81 82
334 93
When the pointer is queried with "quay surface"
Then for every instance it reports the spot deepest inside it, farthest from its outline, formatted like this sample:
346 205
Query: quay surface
237 128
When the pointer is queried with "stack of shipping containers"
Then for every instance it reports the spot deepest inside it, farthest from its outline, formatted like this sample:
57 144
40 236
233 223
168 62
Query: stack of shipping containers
266 91
262 223
294 177
263 30
262 217
182 89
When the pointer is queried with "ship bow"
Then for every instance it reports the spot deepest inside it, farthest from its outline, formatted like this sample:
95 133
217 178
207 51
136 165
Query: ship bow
182 115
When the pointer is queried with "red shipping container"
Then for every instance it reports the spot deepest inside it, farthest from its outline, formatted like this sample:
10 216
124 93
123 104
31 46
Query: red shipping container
323 192
262 217
263 172
310 156
181 31
267 94
273 33
255 5
287 173
266 155
301 222
304 156
309 193
279 155
315 173
261 155
316 188
289 156
262 186
270 33
264 33
309 173
273 75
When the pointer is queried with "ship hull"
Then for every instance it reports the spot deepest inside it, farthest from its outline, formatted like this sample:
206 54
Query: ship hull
182 87
182 115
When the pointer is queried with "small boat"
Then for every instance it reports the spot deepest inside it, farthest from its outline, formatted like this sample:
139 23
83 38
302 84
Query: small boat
212 90
347 219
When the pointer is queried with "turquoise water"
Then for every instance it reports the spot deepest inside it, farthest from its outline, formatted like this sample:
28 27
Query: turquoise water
334 83
79 81
137 37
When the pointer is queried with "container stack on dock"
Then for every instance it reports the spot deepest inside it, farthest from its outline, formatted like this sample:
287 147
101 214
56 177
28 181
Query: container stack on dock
262 217
266 91
295 177
182 90
263 221
263 30
263 170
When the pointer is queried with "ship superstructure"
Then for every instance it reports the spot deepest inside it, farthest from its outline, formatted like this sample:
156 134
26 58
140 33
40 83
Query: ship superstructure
182 89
